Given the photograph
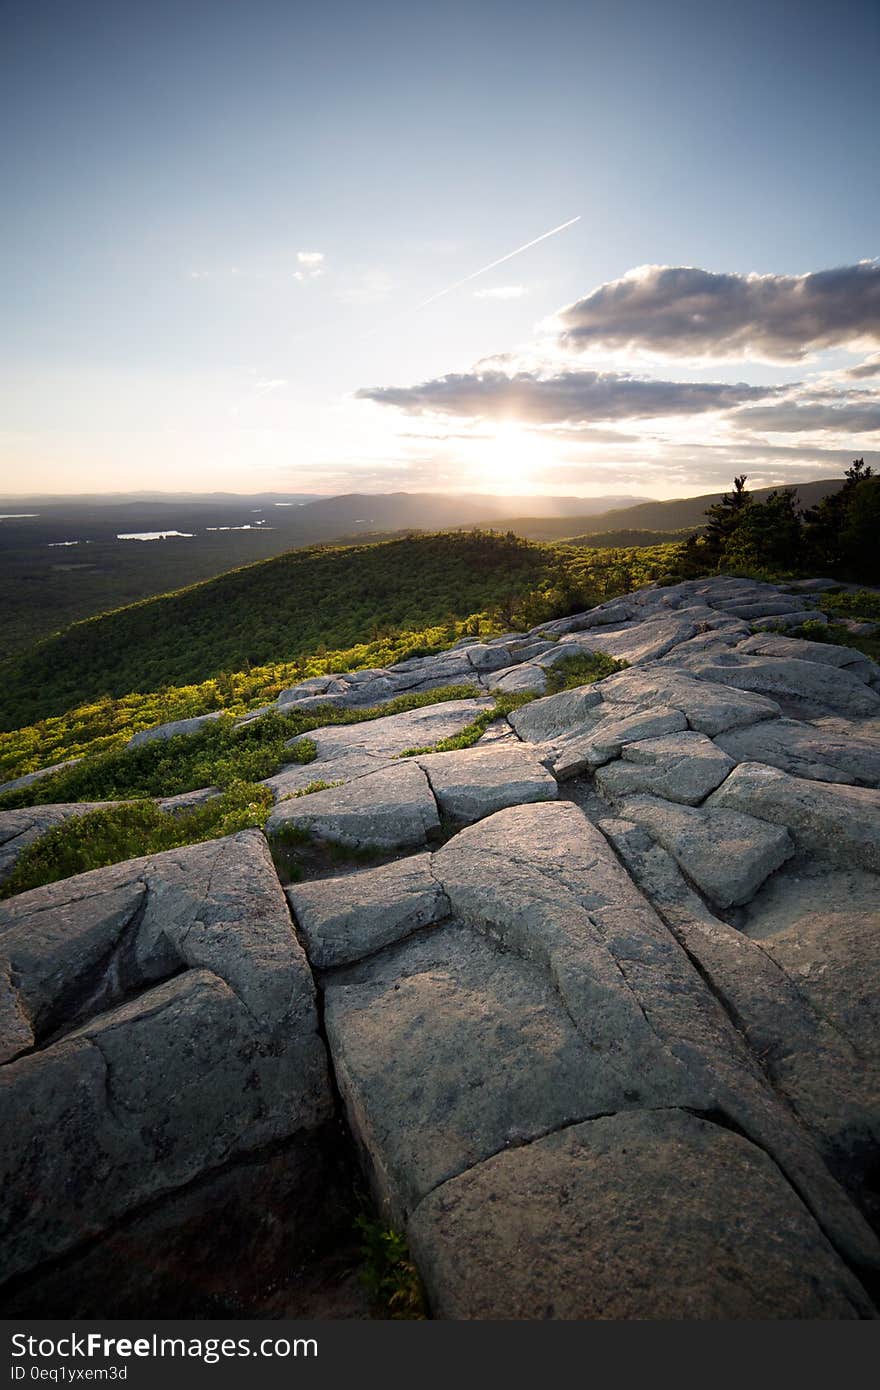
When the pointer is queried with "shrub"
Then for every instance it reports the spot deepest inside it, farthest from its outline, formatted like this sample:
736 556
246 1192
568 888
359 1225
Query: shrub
219 754
117 833
573 671
862 605
838 636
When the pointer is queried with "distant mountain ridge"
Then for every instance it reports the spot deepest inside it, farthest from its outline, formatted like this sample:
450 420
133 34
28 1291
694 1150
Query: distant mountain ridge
677 513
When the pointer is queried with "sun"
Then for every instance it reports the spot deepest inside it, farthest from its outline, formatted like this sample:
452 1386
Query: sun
509 460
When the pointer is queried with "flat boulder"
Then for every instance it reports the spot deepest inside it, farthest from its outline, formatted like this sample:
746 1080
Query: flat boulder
343 919
644 1215
822 928
557 716
174 728
345 752
174 1031
806 686
833 822
806 750
726 853
709 706
474 782
641 642
527 679
683 767
392 734
824 653
800 978
607 738
392 808
773 606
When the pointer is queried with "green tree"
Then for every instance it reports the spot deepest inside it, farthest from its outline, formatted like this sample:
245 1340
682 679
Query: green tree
767 535
835 538
723 518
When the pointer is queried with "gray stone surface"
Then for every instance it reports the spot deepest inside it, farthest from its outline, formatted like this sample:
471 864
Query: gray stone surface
29 778
682 767
726 853
392 808
556 973
837 823
821 925
175 1030
446 1050
802 686
788 622
557 716
711 708
772 606
586 752
567 649
390 735
644 641
806 750
652 1214
474 782
637 1079
526 679
18 829
812 1025
343 919
823 653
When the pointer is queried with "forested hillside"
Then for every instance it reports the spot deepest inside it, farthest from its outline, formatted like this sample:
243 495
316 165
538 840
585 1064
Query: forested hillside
309 601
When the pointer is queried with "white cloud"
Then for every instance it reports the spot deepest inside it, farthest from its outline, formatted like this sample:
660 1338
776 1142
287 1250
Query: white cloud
311 265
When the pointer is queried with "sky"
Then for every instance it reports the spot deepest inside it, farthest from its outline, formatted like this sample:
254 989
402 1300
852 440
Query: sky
265 246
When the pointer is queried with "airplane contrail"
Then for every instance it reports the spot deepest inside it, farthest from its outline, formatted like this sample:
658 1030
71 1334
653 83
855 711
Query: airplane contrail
492 264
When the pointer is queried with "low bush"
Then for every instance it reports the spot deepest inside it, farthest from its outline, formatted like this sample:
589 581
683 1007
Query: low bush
117 833
863 605
573 671
221 753
838 636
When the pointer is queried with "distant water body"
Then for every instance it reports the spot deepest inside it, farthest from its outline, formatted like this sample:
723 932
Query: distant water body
153 535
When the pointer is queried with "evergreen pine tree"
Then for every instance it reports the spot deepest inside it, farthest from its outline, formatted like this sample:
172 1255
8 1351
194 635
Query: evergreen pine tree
723 519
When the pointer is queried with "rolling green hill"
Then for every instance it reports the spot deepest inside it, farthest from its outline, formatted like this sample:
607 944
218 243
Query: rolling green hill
308 601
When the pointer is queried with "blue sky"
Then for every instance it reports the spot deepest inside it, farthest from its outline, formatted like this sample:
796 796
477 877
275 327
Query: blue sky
222 216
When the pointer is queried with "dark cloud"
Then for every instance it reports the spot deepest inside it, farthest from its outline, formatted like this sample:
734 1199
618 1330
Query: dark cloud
567 398
856 413
870 367
685 312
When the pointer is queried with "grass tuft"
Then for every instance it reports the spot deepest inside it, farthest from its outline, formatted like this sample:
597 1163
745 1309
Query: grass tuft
116 833
574 671
388 1272
473 732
